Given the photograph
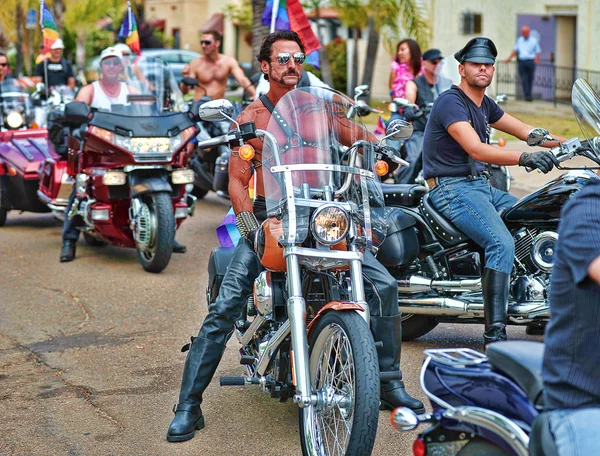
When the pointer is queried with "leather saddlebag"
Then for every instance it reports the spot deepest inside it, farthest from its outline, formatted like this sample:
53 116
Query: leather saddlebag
217 266
401 245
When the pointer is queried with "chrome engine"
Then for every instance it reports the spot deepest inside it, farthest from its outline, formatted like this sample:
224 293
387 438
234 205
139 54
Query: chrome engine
534 250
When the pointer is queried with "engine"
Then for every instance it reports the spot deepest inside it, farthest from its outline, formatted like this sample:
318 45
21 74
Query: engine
534 249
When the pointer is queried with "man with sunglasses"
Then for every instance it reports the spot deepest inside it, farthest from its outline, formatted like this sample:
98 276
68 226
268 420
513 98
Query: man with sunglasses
281 57
4 74
420 91
212 69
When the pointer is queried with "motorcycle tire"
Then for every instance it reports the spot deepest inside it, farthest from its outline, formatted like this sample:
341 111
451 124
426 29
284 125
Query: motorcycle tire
199 192
3 210
498 179
162 222
415 326
92 241
343 357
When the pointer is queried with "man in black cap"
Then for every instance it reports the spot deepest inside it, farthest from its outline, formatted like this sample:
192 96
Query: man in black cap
455 151
422 92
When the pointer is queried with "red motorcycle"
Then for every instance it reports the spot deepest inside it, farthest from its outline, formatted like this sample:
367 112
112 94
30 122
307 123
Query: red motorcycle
24 148
130 163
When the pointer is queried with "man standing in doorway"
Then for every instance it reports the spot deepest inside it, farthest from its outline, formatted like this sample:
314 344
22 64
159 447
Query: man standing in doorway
527 49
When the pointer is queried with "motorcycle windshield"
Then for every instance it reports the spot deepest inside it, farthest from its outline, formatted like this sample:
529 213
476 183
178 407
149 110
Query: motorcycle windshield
316 152
13 97
586 106
148 84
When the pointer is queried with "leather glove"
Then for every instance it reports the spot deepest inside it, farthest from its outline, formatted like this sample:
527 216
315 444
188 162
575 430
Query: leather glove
247 225
412 114
544 161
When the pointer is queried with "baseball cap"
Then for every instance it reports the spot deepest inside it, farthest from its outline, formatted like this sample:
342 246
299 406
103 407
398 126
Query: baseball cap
111 51
58 44
433 54
125 50
478 50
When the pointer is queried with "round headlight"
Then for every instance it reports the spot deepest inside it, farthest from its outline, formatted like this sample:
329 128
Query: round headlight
14 120
330 224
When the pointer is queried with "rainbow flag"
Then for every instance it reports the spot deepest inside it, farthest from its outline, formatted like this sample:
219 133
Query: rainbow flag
49 28
289 15
227 232
129 31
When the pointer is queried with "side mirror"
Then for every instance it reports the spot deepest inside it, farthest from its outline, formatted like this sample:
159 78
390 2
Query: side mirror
538 136
398 130
76 113
40 87
361 90
216 110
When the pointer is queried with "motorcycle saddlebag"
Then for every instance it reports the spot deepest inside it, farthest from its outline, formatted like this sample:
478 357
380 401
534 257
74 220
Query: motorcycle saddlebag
401 244
217 266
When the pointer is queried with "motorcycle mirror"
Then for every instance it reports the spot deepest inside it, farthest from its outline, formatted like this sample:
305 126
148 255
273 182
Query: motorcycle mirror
361 89
502 98
40 87
398 130
216 110
404 419
538 136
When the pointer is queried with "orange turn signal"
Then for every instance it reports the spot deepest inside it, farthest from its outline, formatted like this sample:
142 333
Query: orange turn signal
381 168
502 142
34 126
246 152
12 171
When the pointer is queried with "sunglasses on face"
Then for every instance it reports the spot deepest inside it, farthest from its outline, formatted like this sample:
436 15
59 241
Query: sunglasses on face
284 57
436 61
206 42
3 64
112 61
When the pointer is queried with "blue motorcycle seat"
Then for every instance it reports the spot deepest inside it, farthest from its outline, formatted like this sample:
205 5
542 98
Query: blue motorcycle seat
521 361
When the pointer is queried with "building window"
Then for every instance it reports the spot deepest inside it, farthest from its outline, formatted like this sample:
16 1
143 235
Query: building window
471 23
176 33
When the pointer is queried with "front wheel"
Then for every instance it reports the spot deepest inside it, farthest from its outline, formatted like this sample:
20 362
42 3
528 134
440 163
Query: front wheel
155 231
344 372
3 209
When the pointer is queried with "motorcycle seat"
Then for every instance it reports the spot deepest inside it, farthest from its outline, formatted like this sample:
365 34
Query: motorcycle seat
441 226
521 361
403 194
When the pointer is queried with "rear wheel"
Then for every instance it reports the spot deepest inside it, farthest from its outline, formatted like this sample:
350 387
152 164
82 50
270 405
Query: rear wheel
415 326
3 209
92 241
155 231
344 373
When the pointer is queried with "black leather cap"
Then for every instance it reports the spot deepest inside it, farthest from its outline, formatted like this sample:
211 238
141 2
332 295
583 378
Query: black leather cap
433 54
478 50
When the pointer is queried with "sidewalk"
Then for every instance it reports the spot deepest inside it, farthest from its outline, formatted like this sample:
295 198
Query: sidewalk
546 108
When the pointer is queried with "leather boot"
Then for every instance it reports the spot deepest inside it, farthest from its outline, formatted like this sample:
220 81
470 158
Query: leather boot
178 248
200 366
67 253
495 304
388 330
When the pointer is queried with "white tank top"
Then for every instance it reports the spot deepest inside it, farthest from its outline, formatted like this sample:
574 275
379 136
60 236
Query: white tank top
102 101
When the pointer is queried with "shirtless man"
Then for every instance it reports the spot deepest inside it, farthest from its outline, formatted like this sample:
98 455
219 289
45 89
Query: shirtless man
213 68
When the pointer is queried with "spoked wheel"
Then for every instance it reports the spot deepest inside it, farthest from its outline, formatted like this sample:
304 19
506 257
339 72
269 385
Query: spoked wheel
3 209
344 373
155 231
414 326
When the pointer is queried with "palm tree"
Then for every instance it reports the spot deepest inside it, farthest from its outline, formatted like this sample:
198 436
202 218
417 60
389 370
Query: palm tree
259 30
315 5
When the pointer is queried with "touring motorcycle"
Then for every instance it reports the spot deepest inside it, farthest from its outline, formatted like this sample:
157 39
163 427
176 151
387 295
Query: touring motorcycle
492 405
439 275
305 333
23 149
130 166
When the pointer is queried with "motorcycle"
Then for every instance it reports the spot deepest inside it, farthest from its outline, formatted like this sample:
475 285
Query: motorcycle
305 333
439 277
23 149
130 166
490 405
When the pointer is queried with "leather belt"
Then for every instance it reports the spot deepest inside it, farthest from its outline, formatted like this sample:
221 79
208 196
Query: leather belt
431 182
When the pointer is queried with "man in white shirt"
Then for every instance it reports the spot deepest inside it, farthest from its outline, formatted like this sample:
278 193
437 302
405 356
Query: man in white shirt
528 50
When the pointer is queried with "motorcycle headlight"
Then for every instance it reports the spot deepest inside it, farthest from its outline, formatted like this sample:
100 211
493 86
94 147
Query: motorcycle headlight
14 120
330 224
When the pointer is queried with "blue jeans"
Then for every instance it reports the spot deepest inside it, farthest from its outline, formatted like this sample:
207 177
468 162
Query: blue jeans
576 431
472 205
70 231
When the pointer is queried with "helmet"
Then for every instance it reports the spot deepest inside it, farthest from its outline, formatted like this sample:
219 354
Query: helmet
125 50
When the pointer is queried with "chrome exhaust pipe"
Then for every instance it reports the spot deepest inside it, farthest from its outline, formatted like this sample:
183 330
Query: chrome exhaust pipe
437 306
419 284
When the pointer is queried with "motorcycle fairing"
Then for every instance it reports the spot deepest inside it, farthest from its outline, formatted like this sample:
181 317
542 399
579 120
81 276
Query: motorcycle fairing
140 184
169 124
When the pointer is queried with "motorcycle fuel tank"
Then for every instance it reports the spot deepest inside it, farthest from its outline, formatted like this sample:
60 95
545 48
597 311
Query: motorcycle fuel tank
544 205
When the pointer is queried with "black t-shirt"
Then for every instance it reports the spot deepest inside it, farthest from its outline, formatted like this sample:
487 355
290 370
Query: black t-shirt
442 155
58 72
571 369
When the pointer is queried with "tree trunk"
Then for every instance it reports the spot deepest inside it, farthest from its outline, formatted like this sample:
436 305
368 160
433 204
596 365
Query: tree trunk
325 68
259 31
19 17
58 11
353 80
371 57
80 49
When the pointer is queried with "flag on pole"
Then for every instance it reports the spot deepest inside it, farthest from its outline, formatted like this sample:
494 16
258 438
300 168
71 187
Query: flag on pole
289 15
129 31
49 28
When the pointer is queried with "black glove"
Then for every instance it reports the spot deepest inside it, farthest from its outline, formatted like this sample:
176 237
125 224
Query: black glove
412 114
544 161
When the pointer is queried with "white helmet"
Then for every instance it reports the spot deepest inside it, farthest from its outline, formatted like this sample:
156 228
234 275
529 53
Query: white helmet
125 50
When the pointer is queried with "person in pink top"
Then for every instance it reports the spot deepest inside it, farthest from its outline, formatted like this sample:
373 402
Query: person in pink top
405 67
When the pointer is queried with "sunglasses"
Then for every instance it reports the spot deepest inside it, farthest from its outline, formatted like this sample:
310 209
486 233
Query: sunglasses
112 61
436 61
206 42
284 57
3 64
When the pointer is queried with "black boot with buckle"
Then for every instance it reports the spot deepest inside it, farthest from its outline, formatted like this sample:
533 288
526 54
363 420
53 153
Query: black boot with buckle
388 330
495 304
67 253
200 366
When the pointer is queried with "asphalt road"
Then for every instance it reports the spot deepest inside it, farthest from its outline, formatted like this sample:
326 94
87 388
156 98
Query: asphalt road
90 360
